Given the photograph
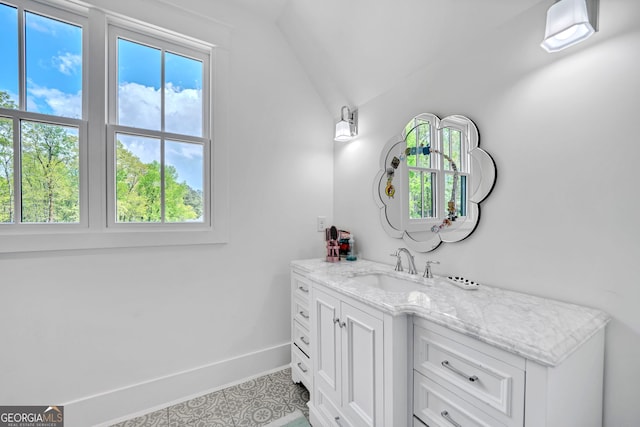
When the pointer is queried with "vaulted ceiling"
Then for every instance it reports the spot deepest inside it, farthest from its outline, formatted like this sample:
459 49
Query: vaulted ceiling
355 50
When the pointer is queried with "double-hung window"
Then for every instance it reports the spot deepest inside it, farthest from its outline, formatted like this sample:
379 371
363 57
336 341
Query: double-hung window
106 132
158 131
43 127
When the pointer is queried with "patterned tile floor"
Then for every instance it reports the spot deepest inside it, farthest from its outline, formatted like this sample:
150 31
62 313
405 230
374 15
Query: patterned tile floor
250 404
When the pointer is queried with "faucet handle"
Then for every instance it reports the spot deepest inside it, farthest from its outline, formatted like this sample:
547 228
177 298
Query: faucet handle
398 261
427 271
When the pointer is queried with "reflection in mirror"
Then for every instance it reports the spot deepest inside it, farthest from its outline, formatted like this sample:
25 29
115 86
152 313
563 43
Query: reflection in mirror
432 178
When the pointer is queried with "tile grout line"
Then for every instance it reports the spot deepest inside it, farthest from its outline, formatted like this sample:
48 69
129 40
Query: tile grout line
275 388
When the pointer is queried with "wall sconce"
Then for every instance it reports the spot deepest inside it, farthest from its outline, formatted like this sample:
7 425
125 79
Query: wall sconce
347 127
570 22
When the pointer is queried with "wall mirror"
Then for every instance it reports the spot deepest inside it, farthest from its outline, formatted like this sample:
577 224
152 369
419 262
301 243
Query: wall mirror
432 179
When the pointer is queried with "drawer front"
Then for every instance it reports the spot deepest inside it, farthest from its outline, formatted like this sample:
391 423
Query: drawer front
418 423
300 287
438 407
329 411
495 386
301 366
301 338
301 311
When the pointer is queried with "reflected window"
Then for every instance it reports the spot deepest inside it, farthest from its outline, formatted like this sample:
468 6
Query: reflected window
432 180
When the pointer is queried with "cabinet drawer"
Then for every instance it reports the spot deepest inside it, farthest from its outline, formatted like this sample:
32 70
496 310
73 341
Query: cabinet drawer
301 311
418 423
300 287
329 411
301 366
438 407
301 338
491 382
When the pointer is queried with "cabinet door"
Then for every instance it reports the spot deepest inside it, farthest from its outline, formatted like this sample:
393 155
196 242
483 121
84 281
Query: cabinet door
362 367
326 336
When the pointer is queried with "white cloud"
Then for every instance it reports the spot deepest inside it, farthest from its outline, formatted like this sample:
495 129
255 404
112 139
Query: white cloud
57 102
68 63
146 149
41 24
139 106
184 150
183 110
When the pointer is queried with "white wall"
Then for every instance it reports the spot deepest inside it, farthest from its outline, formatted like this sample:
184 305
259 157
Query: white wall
561 221
76 326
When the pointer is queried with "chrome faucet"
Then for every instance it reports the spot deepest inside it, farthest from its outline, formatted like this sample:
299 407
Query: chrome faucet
412 264
427 271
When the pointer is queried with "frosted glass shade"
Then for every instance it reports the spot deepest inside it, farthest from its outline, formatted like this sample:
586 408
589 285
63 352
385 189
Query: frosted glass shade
343 131
567 24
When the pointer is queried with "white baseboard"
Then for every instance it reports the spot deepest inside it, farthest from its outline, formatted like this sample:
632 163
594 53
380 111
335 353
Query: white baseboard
128 402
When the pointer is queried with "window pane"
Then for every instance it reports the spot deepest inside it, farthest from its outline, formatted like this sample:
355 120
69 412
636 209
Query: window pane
446 147
183 182
428 195
452 146
456 147
411 139
183 95
53 60
9 49
50 175
6 170
461 193
424 141
139 78
415 195
137 179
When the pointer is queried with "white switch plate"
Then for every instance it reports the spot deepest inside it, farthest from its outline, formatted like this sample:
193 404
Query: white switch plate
322 223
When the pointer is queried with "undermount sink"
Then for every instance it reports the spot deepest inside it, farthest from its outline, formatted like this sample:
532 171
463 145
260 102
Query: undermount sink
388 283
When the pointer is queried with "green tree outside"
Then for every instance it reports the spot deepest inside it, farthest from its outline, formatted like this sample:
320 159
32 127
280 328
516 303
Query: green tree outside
138 190
50 179
6 161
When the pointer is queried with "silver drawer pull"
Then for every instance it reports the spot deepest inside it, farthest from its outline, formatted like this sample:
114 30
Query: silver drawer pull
447 417
339 323
303 314
304 340
302 368
338 421
447 365
306 291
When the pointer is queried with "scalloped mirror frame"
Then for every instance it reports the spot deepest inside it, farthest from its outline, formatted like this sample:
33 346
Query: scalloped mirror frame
394 217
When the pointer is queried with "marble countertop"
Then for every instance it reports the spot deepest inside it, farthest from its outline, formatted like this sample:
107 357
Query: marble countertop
542 330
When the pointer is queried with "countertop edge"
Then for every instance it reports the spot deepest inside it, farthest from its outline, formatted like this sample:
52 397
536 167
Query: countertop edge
553 357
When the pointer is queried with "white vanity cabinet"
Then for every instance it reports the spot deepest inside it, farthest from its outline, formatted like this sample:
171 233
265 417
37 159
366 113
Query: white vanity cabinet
355 377
301 366
460 381
431 354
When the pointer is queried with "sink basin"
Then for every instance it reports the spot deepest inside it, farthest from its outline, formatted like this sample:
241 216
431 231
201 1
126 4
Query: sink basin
388 283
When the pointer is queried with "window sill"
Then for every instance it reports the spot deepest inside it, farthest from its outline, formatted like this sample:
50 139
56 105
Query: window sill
108 239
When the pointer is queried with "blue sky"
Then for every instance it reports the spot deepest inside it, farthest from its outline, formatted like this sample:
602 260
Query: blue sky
9 47
54 83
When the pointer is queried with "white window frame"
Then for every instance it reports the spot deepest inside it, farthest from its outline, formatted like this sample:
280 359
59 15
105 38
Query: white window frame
95 229
164 43
21 115
438 166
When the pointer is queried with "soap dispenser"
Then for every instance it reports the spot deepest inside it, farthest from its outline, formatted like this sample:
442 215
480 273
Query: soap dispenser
351 256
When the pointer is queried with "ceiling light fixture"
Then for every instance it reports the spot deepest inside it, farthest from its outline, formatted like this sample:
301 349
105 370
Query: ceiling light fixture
347 127
570 22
